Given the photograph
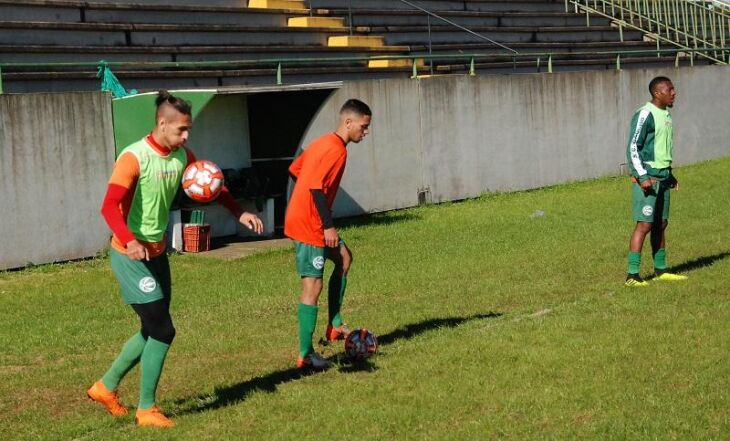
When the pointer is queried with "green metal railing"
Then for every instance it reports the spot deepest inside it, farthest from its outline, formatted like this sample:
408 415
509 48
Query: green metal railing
541 60
687 24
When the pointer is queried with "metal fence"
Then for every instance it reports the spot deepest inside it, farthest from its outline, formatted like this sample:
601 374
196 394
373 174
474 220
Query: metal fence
687 24
541 61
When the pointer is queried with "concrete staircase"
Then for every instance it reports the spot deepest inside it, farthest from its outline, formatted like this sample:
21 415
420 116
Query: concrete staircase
258 34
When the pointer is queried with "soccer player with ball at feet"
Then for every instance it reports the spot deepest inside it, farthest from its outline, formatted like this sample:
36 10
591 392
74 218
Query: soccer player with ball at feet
317 173
145 179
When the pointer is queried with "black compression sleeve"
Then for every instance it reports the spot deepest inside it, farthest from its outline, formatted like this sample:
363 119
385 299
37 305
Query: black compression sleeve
320 201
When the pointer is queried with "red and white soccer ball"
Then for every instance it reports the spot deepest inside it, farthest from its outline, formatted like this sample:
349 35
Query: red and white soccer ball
360 344
202 181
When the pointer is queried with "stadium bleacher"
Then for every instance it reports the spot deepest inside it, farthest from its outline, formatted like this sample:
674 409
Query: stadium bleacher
195 38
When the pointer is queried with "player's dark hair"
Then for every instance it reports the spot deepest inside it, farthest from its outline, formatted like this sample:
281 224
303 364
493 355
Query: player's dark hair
178 104
655 82
356 106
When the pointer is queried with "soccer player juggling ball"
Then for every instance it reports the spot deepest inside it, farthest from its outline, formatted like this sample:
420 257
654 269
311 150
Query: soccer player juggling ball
317 172
649 155
144 182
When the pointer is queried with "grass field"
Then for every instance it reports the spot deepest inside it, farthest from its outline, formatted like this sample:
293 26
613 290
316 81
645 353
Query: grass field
502 317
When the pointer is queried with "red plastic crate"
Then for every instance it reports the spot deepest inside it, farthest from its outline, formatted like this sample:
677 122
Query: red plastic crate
196 238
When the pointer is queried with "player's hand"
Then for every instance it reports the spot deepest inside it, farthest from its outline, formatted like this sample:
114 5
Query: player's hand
646 186
673 182
331 238
137 251
252 222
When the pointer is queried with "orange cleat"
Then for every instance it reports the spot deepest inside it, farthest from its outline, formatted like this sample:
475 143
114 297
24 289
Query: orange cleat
109 399
313 361
336 333
152 417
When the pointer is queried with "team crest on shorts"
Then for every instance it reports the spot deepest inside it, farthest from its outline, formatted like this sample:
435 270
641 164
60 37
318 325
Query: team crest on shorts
648 210
147 284
318 262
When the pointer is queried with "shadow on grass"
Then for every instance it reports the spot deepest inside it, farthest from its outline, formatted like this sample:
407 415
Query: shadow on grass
697 263
412 330
700 262
376 219
225 396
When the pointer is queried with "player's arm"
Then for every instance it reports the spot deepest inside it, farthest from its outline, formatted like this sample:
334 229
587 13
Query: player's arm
121 186
331 237
226 199
332 164
641 124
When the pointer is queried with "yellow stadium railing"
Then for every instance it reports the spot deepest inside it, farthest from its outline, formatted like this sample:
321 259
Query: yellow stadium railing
687 24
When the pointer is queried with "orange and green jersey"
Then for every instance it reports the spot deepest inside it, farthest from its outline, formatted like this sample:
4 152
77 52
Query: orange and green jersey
319 167
144 183
150 174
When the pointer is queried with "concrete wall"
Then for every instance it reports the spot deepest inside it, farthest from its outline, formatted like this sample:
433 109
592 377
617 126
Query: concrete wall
434 139
56 153
462 136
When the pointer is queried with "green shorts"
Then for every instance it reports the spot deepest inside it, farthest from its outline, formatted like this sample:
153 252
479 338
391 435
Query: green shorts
649 206
142 281
310 259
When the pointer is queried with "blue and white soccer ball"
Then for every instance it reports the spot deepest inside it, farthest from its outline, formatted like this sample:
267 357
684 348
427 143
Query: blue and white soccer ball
360 344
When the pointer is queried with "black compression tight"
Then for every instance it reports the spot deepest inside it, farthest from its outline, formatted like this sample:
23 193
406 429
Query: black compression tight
156 320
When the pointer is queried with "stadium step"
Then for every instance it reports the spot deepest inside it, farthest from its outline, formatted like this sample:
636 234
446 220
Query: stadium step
316 22
385 17
400 35
82 53
277 4
355 41
398 63
251 41
121 34
447 5
535 47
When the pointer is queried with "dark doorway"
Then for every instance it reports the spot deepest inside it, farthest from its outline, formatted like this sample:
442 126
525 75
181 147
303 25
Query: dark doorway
277 122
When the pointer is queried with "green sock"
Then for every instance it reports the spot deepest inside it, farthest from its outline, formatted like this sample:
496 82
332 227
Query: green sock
307 315
126 360
634 262
153 358
660 259
335 297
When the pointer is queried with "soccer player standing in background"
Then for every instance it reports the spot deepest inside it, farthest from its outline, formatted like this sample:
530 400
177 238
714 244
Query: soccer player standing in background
649 155
317 172
136 207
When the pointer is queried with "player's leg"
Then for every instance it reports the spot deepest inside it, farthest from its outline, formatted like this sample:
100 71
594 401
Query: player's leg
658 239
658 244
104 391
342 258
633 277
643 214
129 273
157 327
310 266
